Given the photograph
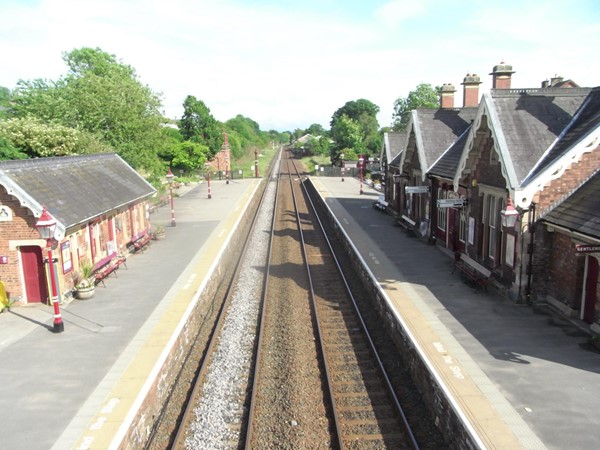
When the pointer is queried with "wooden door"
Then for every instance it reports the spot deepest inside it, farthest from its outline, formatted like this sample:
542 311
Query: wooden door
591 290
33 272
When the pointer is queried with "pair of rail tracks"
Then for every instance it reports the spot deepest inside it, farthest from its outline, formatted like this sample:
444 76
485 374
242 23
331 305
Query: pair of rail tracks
363 410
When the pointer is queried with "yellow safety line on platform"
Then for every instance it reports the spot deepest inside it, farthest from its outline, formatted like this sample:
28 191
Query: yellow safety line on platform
477 410
109 425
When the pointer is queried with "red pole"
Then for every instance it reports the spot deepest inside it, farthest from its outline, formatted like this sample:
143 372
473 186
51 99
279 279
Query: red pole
173 223
59 326
256 163
342 168
361 162
209 196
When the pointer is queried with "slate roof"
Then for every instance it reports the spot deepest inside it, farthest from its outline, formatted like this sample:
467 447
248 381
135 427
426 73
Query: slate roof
530 120
75 189
437 129
447 164
585 120
393 145
579 212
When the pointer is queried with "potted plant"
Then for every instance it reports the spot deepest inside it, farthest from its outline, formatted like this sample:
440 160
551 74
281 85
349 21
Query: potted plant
159 232
85 287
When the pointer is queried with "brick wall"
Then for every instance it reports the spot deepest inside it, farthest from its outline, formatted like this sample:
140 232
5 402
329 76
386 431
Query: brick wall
21 227
558 189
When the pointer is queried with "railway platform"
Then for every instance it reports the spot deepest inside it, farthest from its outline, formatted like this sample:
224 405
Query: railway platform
78 389
521 376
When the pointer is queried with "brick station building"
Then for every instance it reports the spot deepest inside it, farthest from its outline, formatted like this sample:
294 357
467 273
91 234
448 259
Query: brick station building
99 203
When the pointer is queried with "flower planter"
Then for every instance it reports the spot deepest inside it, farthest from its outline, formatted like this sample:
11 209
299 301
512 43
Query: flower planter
85 293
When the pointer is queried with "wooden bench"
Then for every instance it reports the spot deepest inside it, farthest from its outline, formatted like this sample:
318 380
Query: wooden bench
104 268
472 270
380 205
406 222
141 242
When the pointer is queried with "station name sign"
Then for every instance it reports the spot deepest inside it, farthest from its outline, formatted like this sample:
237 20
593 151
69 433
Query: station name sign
451 203
583 248
416 189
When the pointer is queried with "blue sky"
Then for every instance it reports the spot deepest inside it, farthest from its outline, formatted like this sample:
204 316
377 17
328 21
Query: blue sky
287 64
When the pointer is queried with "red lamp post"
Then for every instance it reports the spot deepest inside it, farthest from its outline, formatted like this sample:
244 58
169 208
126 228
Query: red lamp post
342 156
226 170
256 163
170 181
46 226
361 160
207 165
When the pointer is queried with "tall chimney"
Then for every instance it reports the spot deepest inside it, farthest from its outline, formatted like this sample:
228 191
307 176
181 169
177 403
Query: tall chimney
471 90
447 95
501 76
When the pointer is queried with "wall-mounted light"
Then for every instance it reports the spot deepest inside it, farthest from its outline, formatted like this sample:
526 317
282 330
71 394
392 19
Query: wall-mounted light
509 215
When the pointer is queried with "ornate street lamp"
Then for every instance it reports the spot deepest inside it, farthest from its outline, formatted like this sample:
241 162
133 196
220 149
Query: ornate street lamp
207 165
509 214
361 161
170 181
46 226
342 156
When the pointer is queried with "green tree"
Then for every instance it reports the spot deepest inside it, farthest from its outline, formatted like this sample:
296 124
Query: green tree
35 138
102 96
424 96
198 125
347 133
316 130
364 114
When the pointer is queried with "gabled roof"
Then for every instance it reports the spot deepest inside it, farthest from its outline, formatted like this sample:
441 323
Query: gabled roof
579 212
393 144
447 164
585 121
75 189
524 123
436 130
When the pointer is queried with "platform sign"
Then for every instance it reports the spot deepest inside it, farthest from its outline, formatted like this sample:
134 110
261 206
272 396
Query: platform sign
451 203
586 248
416 189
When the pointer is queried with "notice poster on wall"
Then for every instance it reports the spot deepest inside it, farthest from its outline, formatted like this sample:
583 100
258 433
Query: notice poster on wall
510 250
65 251
471 230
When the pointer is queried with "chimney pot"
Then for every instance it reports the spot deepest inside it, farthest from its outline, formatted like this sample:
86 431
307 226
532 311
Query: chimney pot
471 84
447 95
501 76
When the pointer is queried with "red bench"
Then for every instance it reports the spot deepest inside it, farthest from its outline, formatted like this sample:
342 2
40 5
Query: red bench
472 270
108 265
142 242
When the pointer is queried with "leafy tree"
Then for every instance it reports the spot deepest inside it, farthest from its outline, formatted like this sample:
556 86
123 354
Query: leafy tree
9 151
198 125
316 130
364 114
35 138
102 96
347 134
424 96
354 109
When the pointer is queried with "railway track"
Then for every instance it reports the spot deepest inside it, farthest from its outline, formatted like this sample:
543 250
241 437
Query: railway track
291 364
362 409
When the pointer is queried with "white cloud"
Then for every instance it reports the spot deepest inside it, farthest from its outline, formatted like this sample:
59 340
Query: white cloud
287 67
394 12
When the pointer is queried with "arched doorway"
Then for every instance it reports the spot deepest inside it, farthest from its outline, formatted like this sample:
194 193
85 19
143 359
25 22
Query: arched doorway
591 289
34 276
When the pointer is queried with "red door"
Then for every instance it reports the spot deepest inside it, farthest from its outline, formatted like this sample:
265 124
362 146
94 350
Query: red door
591 290
35 277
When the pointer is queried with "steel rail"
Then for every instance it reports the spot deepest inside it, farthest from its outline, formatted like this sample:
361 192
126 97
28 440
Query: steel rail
375 354
188 415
